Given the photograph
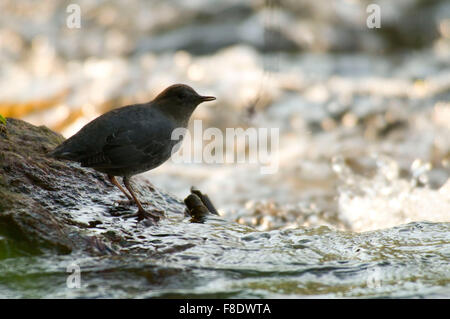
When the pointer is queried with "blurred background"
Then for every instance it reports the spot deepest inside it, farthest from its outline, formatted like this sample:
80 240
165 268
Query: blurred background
364 114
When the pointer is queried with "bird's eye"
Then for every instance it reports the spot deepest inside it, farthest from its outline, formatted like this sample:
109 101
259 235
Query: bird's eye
180 95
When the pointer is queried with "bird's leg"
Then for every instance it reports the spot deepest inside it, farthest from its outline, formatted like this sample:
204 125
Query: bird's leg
142 213
114 181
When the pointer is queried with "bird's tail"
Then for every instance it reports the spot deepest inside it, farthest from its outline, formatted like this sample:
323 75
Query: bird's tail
59 153
53 154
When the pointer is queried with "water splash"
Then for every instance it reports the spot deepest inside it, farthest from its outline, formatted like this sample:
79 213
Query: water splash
386 199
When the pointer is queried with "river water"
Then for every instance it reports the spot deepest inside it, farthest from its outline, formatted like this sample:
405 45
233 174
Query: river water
237 261
359 205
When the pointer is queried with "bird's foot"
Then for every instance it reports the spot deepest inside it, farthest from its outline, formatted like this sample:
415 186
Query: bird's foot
126 202
153 216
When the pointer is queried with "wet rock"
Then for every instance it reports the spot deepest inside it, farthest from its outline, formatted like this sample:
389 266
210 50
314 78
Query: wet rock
196 208
205 200
47 204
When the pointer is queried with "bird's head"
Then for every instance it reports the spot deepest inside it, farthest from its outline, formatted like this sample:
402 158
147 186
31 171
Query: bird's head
180 99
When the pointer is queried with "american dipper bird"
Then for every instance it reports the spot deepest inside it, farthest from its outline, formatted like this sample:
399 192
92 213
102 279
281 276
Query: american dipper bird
133 139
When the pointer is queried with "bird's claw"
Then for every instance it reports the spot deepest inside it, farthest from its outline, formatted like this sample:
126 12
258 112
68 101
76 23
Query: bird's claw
126 202
154 215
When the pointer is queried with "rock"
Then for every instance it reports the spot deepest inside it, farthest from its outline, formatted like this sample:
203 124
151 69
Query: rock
46 204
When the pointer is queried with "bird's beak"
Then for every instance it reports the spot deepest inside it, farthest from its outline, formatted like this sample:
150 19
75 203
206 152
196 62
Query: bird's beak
207 98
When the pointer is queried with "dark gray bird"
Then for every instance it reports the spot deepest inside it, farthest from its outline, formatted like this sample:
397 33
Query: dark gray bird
133 139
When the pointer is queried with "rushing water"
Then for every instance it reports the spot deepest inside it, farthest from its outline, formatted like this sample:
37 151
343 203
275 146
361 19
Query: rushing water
236 261
360 203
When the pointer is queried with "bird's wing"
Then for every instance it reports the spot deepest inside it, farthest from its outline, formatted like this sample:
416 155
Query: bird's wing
126 148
